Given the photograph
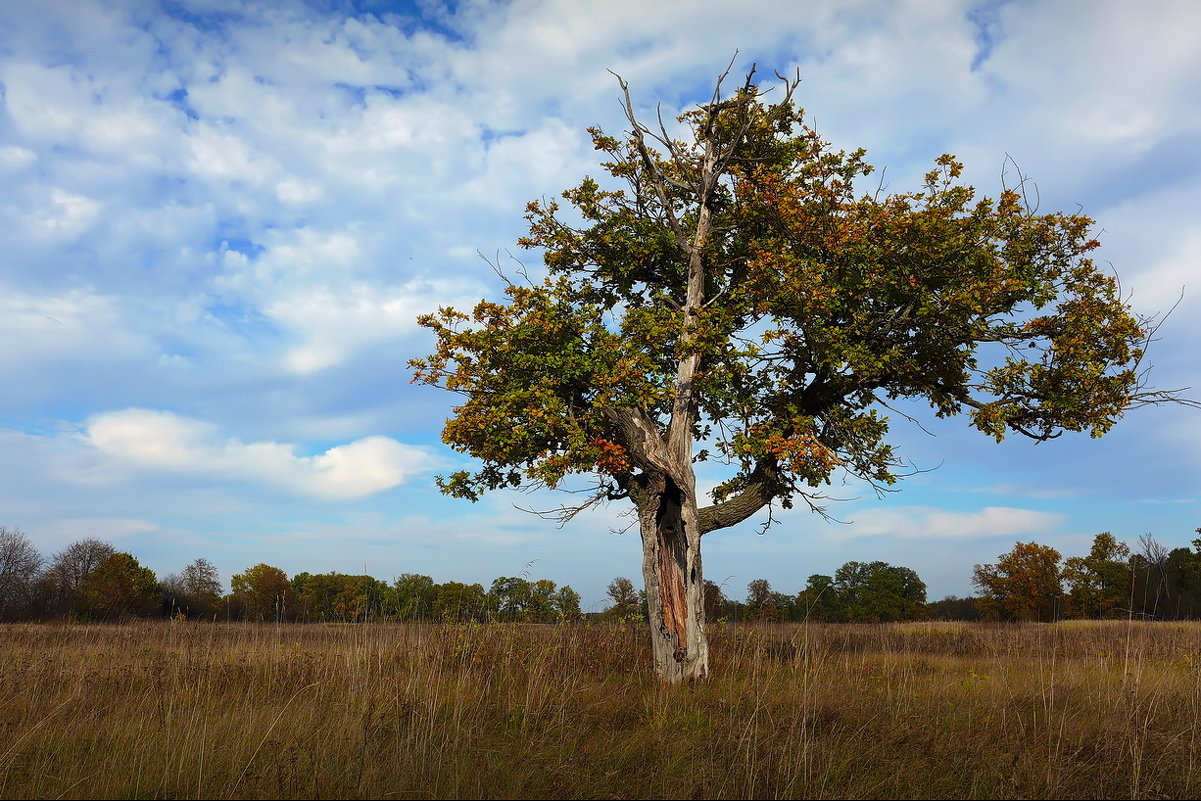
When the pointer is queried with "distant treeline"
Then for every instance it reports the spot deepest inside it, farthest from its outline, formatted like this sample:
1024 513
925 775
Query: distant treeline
1031 582
90 580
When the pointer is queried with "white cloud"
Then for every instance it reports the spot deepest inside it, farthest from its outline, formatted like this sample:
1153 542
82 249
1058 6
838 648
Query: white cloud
1127 69
293 192
929 523
1158 240
1174 277
40 101
64 216
213 154
332 325
15 158
157 440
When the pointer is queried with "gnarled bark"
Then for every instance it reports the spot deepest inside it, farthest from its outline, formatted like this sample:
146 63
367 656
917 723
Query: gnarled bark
671 567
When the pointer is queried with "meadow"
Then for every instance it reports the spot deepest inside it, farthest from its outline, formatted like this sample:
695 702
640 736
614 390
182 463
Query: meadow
916 710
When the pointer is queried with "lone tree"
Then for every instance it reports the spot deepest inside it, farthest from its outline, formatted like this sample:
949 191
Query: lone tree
1024 584
740 292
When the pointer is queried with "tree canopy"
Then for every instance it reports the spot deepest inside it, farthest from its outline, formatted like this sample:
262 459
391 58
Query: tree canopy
1024 584
734 290
822 304
263 592
119 587
1100 584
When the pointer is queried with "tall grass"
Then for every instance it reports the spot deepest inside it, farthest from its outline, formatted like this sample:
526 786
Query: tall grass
161 710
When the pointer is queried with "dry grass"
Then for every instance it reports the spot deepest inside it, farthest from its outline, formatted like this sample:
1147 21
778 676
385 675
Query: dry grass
1087 710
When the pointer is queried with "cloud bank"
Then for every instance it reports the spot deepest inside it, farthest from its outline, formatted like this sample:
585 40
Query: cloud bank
931 523
155 440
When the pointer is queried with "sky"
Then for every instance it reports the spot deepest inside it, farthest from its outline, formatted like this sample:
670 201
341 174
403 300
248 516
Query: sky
220 220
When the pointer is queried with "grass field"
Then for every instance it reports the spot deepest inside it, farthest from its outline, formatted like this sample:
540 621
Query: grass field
203 710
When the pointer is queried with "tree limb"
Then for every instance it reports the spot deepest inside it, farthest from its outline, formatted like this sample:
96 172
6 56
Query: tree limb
762 486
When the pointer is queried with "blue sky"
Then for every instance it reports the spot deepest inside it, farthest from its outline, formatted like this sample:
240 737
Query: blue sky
221 219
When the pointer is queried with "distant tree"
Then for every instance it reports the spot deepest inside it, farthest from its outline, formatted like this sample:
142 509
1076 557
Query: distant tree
540 602
764 604
201 580
195 592
877 592
715 602
314 596
119 587
1166 584
414 597
1149 573
20 570
457 602
1024 584
358 598
508 597
1099 585
626 605
567 604
1182 577
263 593
820 601
174 600
338 596
516 600
70 567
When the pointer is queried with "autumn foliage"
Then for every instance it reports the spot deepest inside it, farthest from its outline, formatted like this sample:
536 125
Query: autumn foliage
738 293
825 301
1024 584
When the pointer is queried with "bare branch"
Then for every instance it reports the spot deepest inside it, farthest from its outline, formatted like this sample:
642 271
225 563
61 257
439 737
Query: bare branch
673 149
726 73
658 180
908 417
1031 208
1158 397
495 265
599 495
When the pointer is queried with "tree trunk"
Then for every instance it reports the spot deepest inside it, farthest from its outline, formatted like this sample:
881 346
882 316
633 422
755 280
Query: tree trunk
665 491
671 567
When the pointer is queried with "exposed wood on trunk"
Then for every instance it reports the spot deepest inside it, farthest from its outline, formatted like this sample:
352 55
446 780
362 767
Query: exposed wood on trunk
674 584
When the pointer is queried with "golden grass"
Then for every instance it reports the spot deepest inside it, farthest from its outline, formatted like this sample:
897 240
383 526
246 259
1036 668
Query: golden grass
938 710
